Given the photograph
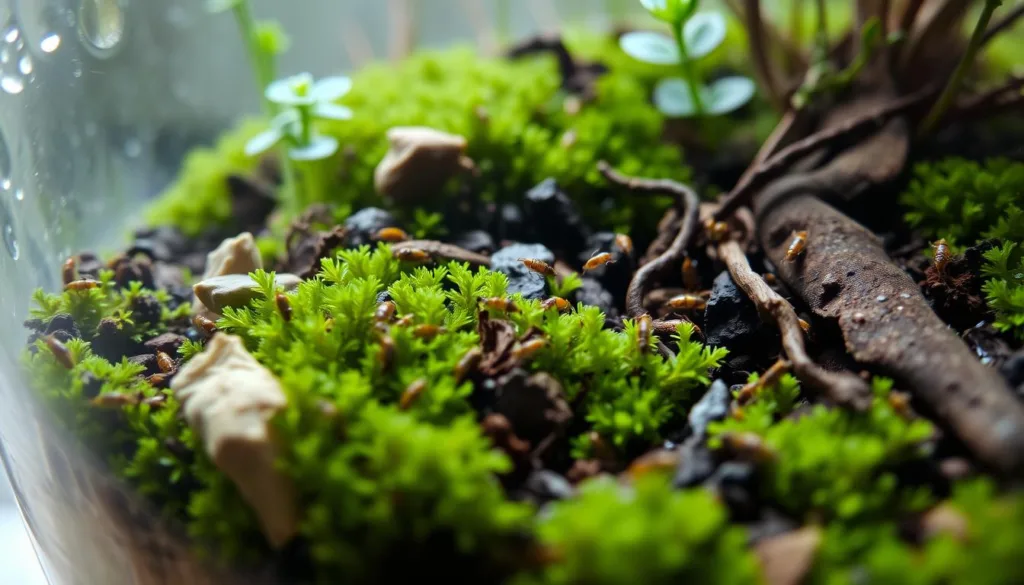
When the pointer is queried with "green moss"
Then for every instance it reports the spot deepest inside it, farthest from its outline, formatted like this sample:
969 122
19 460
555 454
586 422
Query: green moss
963 202
645 533
517 143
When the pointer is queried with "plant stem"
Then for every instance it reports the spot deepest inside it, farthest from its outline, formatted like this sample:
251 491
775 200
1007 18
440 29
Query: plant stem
821 34
262 66
966 60
688 70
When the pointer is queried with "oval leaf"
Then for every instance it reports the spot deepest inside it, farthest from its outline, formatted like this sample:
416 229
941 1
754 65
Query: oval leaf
672 98
729 94
329 111
329 89
703 33
320 147
650 47
283 91
263 142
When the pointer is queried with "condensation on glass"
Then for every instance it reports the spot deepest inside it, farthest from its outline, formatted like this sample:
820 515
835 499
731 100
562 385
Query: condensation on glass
99 101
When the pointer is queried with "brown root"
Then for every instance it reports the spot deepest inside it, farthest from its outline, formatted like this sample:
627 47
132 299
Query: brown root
445 251
840 387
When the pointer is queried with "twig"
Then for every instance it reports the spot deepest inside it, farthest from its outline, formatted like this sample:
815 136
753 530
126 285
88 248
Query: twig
840 387
991 96
966 60
792 53
759 51
443 250
686 199
910 15
1007 21
771 168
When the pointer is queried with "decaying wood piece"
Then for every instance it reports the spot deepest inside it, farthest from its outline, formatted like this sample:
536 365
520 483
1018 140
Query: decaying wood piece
840 387
444 251
845 275
229 398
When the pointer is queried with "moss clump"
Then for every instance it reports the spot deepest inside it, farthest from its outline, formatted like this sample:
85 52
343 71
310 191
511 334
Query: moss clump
511 113
381 485
963 202
643 533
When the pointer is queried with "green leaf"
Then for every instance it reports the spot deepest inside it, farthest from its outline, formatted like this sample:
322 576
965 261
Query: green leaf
263 142
728 94
328 111
319 148
703 33
672 98
650 47
329 89
674 12
216 6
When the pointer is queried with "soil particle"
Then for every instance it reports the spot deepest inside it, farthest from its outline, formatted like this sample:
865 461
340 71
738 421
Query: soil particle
545 486
499 430
535 405
787 558
91 385
955 291
477 241
696 463
112 341
987 344
305 255
497 338
62 322
713 406
1012 370
89 265
771 523
168 343
363 224
554 219
955 468
735 482
146 310
134 269
583 469
594 294
520 278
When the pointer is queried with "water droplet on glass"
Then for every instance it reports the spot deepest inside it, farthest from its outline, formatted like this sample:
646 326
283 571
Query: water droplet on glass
10 241
101 23
20 45
132 148
19 194
5 55
11 35
90 129
5 184
12 84
25 65
76 68
49 43
5 164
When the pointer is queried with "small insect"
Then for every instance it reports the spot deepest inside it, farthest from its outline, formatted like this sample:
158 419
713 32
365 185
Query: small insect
467 363
386 356
164 362
644 327
656 461
538 266
716 231
748 446
738 413
412 255
81 285
405 320
284 306
69 272
391 234
624 243
597 260
601 449
804 325
329 324
60 352
503 304
427 331
204 324
385 312
691 278
116 399
155 401
769 378
672 325
527 350
900 403
555 302
157 380
411 393
797 246
769 278
941 255
686 303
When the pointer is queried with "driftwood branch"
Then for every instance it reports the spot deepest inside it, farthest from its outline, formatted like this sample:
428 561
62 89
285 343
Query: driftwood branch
445 251
774 166
686 198
845 276
840 387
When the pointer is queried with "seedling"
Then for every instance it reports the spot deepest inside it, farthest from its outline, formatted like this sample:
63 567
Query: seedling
301 100
694 35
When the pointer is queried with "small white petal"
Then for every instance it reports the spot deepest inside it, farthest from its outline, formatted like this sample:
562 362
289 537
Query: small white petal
319 148
329 111
263 142
329 89
283 91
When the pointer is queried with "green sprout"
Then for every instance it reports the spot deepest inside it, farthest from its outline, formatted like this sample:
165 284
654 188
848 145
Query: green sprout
694 35
822 76
302 100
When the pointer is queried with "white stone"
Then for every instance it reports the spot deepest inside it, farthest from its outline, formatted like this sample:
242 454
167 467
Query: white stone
237 255
235 290
419 162
228 398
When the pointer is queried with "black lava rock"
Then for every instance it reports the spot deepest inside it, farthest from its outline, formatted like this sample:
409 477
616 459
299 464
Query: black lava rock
554 219
168 343
713 406
363 224
736 484
146 310
547 486
593 293
91 385
477 241
535 405
696 463
770 522
1013 370
520 278
62 322
615 275
89 265
731 319
112 342
509 222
